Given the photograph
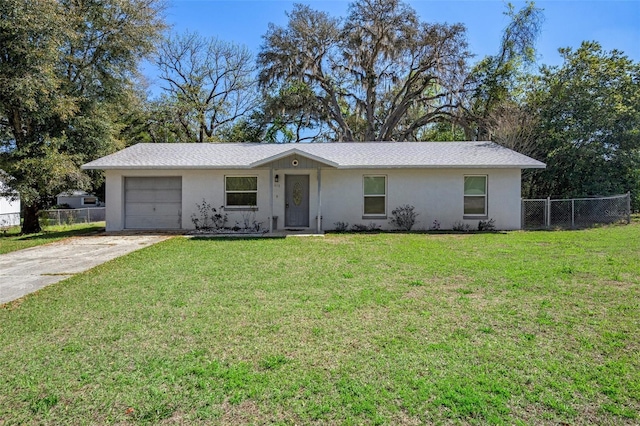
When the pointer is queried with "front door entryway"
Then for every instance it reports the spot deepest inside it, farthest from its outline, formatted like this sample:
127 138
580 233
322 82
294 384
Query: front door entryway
296 207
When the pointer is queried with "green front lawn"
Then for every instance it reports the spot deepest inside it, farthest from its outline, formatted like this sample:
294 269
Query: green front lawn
12 240
516 328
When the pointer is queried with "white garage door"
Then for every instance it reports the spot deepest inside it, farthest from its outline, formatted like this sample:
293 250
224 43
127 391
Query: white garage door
153 202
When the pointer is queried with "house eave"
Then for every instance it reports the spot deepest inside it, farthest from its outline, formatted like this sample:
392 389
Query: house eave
446 166
339 167
163 167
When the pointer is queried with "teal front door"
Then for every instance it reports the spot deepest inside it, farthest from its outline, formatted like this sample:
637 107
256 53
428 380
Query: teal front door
296 207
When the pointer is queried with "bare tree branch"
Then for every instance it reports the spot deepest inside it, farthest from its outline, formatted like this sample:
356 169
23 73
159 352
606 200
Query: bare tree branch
210 81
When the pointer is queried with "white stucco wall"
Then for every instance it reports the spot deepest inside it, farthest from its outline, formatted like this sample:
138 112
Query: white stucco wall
196 186
437 194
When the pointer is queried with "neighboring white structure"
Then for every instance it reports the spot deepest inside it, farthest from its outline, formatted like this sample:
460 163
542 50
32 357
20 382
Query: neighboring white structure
314 186
78 199
9 206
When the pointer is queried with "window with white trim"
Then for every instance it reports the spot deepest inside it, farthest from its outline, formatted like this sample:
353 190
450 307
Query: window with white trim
375 195
241 191
475 195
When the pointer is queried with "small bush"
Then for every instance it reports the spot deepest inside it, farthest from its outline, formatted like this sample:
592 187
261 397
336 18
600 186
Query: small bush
461 227
372 227
341 226
404 217
208 218
249 223
487 225
435 226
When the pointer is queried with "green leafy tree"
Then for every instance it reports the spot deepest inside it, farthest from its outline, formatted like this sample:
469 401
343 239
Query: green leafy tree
589 125
369 71
67 71
291 115
154 121
497 83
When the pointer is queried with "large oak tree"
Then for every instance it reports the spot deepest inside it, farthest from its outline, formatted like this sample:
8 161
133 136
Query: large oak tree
67 70
379 74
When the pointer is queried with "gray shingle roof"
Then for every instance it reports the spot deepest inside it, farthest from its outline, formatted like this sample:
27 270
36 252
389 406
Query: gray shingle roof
339 155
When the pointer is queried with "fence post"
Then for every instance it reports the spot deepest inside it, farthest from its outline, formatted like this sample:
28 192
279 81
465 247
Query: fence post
88 215
58 211
628 207
573 213
548 212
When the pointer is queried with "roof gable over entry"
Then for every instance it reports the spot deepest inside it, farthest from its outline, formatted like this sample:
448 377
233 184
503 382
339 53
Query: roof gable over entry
355 155
294 158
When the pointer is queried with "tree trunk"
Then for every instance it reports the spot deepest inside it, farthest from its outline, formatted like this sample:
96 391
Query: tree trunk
31 223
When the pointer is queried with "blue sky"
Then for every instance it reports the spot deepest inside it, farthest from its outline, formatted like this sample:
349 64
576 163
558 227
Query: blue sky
615 24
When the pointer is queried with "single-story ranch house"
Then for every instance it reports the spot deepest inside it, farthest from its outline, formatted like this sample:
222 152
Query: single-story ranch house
313 187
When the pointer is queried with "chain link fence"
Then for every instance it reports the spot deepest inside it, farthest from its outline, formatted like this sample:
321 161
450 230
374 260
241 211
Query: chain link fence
576 212
71 216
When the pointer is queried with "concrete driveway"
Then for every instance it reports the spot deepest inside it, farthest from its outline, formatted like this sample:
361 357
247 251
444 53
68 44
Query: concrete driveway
25 271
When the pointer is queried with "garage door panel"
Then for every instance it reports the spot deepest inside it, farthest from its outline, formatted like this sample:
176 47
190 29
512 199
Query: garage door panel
140 195
153 209
154 183
153 195
171 196
150 209
155 222
153 202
